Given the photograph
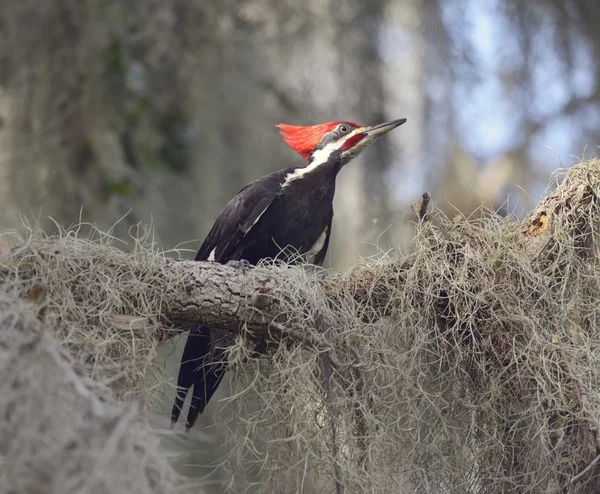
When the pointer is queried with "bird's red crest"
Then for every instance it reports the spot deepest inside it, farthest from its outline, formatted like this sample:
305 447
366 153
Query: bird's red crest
304 138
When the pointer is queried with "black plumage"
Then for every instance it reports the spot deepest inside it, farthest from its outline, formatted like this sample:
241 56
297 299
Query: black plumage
286 215
265 220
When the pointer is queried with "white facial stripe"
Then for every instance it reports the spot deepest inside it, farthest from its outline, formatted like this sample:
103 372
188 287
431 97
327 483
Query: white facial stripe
319 157
360 145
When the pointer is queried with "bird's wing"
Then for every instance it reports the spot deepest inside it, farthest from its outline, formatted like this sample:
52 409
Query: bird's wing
239 215
320 256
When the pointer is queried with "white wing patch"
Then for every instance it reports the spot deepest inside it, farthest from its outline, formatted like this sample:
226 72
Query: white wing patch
211 256
256 220
317 246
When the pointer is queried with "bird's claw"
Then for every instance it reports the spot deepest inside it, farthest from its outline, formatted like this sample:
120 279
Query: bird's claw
242 264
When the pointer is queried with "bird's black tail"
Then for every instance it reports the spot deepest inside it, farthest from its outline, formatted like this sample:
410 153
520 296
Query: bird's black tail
198 369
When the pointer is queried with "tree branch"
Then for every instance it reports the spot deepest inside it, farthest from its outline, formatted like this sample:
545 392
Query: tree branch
505 307
225 298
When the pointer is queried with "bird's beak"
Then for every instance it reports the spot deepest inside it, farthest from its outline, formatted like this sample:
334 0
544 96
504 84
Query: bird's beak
363 137
378 130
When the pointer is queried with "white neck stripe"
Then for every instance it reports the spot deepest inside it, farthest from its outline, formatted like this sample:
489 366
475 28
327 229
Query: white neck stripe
319 157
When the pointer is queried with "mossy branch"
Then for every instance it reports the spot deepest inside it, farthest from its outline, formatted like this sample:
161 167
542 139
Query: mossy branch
247 301
472 358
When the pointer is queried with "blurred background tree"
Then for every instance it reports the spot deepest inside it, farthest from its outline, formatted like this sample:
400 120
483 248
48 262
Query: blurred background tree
161 110
165 109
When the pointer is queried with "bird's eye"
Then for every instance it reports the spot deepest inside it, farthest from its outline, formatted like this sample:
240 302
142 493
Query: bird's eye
344 129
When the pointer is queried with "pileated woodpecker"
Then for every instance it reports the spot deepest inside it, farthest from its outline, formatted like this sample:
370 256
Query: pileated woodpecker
285 215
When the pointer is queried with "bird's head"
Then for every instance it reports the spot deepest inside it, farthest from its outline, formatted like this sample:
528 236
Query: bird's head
339 140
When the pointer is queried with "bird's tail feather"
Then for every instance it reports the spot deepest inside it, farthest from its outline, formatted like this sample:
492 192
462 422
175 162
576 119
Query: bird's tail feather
206 383
198 369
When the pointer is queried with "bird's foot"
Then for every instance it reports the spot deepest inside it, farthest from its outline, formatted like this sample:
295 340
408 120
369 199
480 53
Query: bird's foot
242 264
